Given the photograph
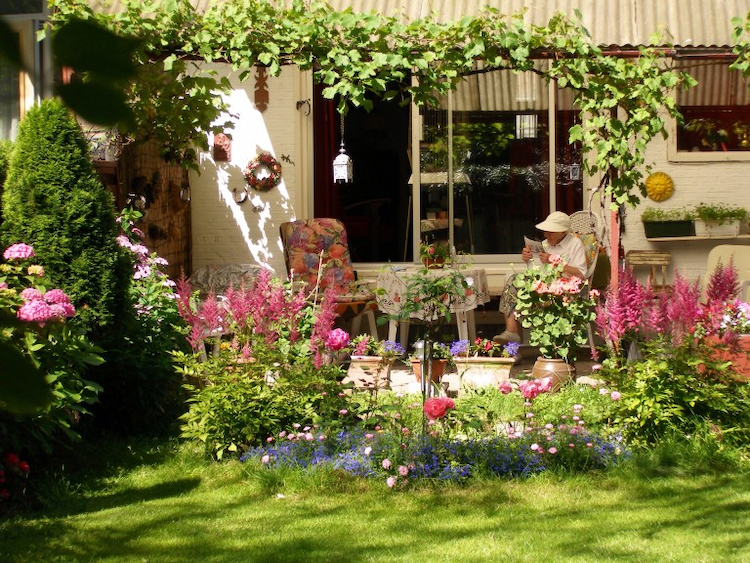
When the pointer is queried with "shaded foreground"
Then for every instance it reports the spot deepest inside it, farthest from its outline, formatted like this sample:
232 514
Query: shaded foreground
174 507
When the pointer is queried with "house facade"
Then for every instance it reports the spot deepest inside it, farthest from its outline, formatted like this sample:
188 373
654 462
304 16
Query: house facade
480 170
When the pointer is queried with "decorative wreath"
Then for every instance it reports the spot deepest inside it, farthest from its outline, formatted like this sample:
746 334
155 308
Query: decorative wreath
266 183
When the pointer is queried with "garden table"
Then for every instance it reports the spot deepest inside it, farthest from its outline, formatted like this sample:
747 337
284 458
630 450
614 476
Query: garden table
392 284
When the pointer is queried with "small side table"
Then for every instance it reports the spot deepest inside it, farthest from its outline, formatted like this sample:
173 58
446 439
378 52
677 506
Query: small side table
651 258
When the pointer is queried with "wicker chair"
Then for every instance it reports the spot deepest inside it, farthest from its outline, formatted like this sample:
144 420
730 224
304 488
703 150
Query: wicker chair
585 225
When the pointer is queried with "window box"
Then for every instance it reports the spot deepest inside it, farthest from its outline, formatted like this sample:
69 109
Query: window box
657 229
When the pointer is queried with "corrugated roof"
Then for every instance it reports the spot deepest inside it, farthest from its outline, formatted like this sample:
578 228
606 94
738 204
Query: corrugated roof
610 22
696 23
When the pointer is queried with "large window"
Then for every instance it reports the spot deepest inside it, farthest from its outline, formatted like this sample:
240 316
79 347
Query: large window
488 145
475 170
716 114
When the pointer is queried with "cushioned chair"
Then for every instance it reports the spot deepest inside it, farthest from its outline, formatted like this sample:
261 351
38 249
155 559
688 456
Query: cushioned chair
310 244
585 225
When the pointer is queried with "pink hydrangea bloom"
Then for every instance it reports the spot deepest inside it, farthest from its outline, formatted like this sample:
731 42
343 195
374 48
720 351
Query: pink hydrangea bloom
18 251
56 296
31 294
35 311
61 310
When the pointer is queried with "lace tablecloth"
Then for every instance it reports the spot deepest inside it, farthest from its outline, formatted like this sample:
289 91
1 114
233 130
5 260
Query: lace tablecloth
393 285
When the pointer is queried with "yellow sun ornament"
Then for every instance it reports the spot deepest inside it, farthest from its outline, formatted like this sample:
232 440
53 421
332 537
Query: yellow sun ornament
659 186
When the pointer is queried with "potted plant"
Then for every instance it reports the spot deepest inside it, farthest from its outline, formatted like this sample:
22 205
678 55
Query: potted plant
440 357
556 312
718 219
371 361
483 362
659 222
435 254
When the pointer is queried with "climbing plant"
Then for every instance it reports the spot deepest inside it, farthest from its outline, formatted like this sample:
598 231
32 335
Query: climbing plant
362 56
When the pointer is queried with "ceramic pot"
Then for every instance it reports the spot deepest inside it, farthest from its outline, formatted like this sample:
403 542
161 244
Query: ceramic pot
437 369
479 371
560 372
368 372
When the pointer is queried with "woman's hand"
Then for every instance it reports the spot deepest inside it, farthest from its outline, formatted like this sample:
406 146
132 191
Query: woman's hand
526 254
544 257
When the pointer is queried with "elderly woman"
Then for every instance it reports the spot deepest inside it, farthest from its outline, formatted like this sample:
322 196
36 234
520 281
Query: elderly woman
557 240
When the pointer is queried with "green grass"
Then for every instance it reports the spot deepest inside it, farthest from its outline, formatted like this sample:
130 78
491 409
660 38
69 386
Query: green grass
163 503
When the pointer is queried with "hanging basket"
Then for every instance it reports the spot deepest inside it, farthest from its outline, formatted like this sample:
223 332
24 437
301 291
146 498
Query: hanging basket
265 183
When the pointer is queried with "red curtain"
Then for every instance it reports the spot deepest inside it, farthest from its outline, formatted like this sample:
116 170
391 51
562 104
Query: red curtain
326 127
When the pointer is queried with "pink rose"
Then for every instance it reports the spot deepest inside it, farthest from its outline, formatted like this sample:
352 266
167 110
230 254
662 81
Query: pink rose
337 339
436 407
391 482
505 387
386 464
403 470
615 395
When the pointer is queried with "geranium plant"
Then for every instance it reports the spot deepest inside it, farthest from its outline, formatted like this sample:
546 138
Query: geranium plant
439 251
483 347
555 309
366 345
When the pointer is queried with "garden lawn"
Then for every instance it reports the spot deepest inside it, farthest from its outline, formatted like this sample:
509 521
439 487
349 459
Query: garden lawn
165 504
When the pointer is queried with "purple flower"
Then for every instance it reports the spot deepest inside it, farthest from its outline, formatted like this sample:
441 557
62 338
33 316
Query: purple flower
18 251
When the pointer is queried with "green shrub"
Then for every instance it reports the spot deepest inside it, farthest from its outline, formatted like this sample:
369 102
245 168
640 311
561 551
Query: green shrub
54 201
5 149
241 407
59 352
676 392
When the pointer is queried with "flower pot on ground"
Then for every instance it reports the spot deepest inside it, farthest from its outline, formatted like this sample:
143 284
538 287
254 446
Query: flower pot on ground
557 369
483 363
439 360
437 369
371 362
368 372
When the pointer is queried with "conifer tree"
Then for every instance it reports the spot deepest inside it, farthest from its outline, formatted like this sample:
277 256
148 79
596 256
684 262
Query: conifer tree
54 201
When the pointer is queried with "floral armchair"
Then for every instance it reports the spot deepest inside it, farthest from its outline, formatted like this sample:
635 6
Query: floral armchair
311 244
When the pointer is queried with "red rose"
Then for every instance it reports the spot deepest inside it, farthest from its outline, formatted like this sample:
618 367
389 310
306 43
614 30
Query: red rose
436 407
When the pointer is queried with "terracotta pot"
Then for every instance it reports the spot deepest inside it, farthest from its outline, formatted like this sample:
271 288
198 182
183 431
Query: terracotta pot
368 372
433 263
479 371
437 369
560 372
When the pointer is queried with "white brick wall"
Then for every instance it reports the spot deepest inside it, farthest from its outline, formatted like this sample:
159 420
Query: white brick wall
695 182
222 230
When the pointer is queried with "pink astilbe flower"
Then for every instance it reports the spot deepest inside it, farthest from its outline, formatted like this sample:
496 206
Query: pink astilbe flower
324 319
19 251
620 315
723 284
683 307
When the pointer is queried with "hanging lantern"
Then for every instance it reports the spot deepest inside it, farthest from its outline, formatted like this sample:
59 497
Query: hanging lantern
343 170
342 167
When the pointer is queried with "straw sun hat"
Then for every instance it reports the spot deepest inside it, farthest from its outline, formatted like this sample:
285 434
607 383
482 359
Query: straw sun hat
556 222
